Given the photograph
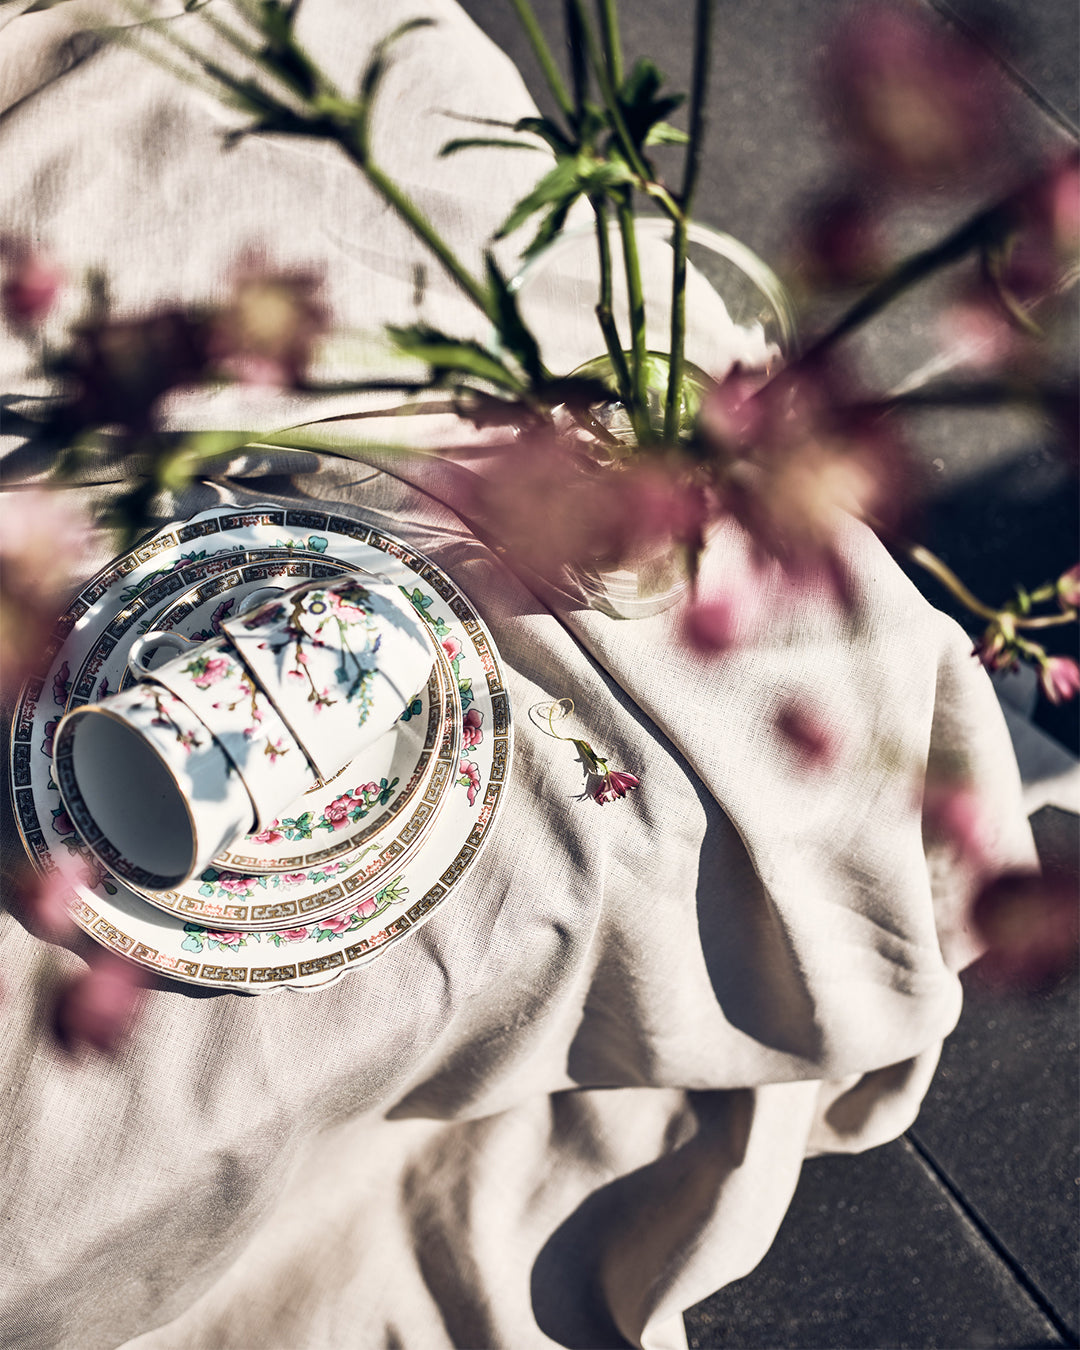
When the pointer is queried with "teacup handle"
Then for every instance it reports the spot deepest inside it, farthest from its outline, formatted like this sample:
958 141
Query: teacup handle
138 656
258 597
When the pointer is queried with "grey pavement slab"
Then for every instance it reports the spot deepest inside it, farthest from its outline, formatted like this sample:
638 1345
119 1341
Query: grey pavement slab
873 1254
1000 1124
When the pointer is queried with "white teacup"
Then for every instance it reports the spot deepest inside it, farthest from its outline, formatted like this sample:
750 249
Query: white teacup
212 681
149 788
339 659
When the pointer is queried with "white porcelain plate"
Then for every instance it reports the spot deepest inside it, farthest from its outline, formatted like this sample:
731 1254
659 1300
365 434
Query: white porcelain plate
306 954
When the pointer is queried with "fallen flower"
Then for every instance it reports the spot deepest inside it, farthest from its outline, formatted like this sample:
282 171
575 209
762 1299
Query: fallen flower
614 783
808 736
30 283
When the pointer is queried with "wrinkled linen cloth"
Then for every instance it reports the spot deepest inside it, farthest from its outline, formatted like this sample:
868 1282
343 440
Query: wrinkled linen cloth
577 1100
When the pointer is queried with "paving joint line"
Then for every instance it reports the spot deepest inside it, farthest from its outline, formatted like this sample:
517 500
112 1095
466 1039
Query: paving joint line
1019 1274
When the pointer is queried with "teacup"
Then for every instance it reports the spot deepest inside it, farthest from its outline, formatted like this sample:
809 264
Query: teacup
148 786
339 659
212 681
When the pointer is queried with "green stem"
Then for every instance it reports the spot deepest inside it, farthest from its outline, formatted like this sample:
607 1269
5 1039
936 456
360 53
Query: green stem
699 90
677 354
974 232
412 216
610 96
604 309
542 52
609 26
639 406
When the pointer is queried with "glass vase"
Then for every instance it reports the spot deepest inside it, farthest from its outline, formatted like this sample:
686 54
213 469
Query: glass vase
737 311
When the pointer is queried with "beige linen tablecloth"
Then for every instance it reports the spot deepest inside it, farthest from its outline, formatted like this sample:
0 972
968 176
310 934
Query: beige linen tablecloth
577 1101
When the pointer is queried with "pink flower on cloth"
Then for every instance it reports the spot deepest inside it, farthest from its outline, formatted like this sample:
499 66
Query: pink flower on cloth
614 784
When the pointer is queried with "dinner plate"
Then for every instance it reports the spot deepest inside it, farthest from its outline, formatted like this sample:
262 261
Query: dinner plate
307 954
367 803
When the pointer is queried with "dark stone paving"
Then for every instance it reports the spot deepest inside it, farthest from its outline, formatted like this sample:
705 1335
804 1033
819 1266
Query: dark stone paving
965 1232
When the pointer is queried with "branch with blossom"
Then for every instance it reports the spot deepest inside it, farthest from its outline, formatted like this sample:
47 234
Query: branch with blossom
605 784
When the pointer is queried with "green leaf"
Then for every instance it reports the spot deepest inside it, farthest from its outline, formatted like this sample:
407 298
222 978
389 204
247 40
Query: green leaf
515 336
484 142
552 224
556 184
547 131
380 60
663 133
452 356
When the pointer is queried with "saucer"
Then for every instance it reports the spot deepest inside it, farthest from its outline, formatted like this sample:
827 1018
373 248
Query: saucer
309 954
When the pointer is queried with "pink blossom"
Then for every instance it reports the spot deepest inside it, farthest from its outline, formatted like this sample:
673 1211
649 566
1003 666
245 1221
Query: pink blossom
337 813
215 669
452 647
797 456
337 923
615 783
45 542
43 902
367 908
267 334
470 776
809 736
995 648
841 240
293 878
472 729
1068 588
30 283
918 99
368 790
294 934
226 939
1029 924
709 626
96 1008
234 883
951 812
271 835
1059 678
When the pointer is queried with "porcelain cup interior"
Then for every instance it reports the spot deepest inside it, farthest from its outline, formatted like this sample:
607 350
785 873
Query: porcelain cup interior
151 791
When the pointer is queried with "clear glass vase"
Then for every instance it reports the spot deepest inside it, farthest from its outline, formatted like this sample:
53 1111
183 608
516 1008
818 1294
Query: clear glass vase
737 311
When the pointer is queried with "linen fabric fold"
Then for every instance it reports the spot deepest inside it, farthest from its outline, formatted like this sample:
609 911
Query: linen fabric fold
577 1101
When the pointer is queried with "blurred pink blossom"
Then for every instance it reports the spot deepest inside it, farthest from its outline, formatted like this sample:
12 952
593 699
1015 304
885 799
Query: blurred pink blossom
96 1008
30 283
951 812
45 542
1059 678
801 454
919 101
266 335
840 241
1029 923
808 735
710 626
1068 588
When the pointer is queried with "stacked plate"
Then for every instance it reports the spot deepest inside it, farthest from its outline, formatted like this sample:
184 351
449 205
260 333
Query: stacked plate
359 861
